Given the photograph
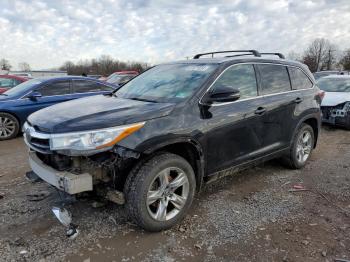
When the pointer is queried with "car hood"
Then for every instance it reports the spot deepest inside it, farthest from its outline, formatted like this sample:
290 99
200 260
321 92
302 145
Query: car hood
96 112
335 98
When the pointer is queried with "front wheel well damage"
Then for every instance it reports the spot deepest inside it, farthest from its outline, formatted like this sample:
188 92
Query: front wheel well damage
191 153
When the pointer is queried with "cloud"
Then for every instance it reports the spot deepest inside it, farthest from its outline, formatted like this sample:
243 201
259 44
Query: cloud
47 33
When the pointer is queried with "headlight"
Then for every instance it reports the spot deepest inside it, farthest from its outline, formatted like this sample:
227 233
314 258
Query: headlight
347 106
92 140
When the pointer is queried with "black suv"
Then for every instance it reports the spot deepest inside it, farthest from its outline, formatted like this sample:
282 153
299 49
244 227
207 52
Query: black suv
155 141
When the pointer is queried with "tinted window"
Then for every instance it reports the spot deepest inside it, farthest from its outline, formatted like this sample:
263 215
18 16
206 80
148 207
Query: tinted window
299 79
82 86
241 77
55 89
274 78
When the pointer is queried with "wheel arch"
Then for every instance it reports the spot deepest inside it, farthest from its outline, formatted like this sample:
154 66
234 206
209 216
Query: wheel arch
12 114
189 149
314 122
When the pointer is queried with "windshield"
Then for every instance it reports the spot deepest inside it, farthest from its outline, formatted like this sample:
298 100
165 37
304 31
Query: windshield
23 88
334 84
167 83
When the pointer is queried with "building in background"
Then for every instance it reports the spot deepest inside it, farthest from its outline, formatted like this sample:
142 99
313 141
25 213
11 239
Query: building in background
38 73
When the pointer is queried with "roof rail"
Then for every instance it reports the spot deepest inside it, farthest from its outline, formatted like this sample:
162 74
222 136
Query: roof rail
254 52
277 54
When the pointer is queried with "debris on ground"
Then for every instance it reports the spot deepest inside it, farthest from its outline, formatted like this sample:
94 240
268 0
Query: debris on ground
38 196
98 204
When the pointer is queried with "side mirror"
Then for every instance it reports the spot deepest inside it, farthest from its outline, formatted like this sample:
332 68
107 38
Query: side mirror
34 95
222 94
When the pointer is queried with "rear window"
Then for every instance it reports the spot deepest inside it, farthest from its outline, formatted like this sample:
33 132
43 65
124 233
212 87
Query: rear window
299 79
275 79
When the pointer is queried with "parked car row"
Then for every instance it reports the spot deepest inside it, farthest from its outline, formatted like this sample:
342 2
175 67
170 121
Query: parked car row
19 102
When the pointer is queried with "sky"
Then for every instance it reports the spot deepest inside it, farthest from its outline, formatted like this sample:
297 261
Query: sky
45 34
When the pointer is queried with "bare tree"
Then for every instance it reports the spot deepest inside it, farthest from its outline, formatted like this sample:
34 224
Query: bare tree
105 65
5 64
24 66
320 55
345 60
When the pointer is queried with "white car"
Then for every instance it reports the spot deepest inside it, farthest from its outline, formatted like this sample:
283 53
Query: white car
336 102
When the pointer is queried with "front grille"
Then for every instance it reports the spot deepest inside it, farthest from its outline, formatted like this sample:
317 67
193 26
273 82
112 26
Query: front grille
39 142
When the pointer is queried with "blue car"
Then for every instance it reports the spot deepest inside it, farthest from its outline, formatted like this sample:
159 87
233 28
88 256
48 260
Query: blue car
19 102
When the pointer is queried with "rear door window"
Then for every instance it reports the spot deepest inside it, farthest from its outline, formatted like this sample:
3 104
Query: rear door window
299 79
56 89
241 77
274 78
82 86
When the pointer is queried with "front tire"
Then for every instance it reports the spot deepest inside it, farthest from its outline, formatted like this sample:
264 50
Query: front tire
160 191
9 126
301 149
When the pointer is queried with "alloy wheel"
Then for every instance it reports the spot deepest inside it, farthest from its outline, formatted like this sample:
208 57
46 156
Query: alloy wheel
304 146
7 127
167 194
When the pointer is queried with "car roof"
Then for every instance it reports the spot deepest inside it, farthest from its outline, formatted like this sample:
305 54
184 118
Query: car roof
238 59
49 78
14 77
243 59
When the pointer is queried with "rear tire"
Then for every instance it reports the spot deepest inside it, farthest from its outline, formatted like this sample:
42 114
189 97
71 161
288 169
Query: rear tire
301 148
160 191
9 126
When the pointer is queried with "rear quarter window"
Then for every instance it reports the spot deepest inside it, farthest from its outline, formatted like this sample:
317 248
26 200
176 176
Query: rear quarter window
274 78
299 79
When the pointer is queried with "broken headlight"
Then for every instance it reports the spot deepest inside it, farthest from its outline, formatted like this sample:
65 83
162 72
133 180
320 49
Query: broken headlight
92 140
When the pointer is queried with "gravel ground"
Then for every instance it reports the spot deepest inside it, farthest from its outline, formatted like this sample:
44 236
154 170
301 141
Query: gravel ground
251 216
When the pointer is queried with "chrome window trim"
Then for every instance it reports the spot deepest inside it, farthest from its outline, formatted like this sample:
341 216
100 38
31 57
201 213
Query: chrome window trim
23 97
258 96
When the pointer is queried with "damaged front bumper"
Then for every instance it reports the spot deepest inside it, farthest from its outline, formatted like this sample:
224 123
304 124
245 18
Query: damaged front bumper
336 115
63 180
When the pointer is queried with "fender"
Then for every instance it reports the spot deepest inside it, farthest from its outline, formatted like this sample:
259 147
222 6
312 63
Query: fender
315 116
200 162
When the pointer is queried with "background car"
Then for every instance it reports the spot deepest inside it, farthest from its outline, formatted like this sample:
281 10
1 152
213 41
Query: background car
336 103
9 81
320 74
121 77
19 102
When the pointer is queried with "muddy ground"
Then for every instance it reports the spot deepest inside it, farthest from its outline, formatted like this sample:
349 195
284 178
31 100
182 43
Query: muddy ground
251 216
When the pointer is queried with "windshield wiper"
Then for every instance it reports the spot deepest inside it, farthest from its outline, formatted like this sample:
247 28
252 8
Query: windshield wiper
142 99
4 94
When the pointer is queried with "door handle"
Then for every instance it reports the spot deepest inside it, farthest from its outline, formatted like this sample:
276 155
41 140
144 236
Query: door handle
298 100
260 111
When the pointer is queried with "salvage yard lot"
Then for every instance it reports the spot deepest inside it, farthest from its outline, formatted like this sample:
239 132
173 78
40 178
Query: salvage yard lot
252 216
